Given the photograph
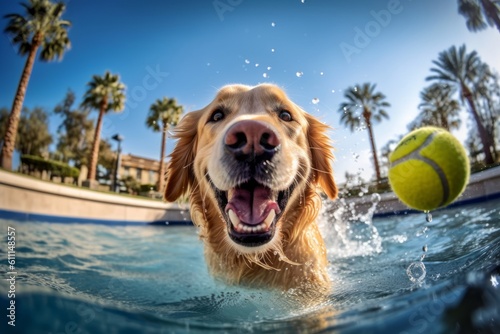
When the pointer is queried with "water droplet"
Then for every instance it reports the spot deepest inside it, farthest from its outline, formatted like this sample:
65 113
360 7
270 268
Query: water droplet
299 74
416 272
273 24
355 89
428 216
315 100
321 73
424 248
264 75
247 61
494 280
269 68
272 50
333 90
303 1
423 232
257 65
375 198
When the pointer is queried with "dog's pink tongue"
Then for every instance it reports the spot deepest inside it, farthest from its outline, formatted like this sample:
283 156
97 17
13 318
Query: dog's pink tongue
253 205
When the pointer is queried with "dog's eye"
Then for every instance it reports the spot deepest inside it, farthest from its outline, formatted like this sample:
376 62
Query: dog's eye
285 115
217 115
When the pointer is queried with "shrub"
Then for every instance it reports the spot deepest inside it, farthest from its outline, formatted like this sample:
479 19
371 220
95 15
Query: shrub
52 167
147 187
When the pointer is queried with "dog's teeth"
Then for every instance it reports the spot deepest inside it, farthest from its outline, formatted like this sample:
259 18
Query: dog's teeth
270 218
244 228
234 218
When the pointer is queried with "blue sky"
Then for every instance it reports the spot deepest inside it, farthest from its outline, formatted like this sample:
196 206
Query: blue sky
189 49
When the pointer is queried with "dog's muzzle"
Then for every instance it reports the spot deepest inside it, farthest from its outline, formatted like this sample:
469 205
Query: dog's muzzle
251 208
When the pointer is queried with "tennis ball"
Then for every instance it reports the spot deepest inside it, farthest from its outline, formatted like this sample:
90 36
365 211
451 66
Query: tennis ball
429 169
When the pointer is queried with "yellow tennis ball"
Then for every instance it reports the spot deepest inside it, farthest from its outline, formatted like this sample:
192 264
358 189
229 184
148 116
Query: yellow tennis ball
429 169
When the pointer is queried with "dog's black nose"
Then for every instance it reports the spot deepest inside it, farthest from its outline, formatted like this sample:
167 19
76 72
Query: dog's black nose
250 139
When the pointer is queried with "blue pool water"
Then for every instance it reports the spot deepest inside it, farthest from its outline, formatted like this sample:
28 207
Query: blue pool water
93 278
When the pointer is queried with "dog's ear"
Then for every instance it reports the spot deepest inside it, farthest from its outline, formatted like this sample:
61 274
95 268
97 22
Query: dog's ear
180 174
321 155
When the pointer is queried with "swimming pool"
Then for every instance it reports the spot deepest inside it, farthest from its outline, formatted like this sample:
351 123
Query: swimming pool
93 278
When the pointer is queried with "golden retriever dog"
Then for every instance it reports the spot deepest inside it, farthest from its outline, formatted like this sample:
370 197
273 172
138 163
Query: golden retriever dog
251 163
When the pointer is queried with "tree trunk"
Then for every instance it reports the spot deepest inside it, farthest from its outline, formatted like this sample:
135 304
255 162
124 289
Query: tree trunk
483 134
9 142
94 154
161 170
374 149
444 121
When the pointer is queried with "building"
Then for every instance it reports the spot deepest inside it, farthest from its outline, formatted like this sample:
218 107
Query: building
144 170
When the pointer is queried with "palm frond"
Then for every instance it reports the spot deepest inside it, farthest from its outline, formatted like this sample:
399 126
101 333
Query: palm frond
40 25
362 101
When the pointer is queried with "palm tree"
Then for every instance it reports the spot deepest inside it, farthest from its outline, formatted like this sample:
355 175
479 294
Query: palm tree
480 13
162 114
43 27
487 89
105 94
459 68
372 111
438 108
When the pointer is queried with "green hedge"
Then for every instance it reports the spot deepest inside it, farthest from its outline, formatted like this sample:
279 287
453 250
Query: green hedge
55 168
147 187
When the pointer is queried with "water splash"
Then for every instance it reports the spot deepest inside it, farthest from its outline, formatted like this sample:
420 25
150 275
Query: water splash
353 233
416 272
315 100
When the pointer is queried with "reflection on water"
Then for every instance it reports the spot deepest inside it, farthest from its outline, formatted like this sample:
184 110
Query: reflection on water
392 274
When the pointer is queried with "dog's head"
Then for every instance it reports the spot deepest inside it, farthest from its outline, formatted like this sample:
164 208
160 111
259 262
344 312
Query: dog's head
247 161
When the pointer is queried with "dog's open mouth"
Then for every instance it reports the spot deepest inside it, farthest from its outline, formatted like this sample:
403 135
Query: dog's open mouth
251 211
